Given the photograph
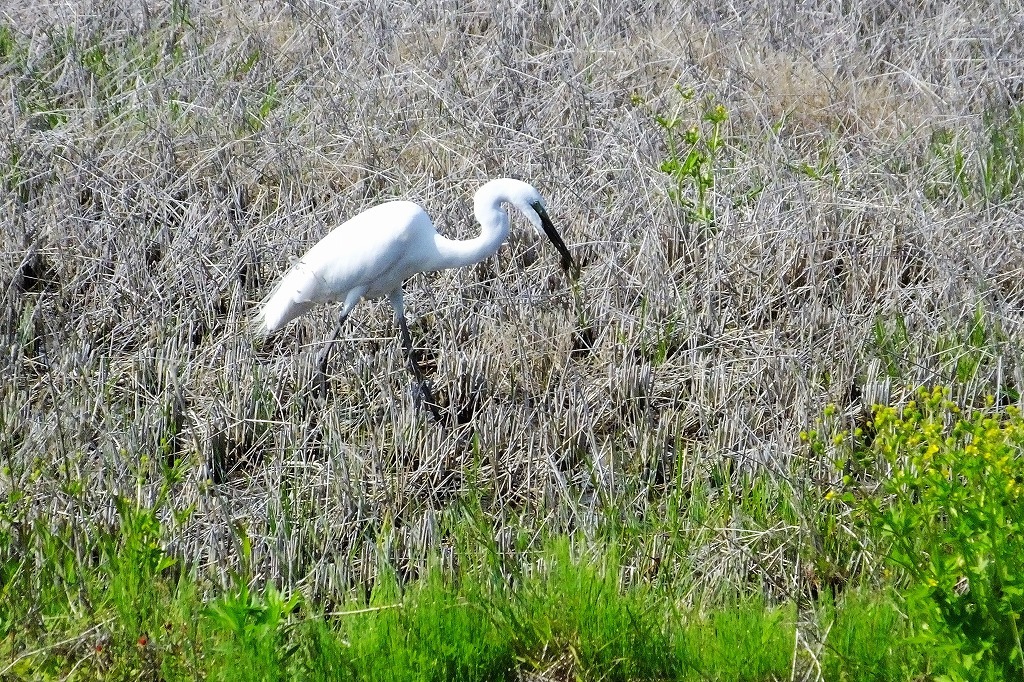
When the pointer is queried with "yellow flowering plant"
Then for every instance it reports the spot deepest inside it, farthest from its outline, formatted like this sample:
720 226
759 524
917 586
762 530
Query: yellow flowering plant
952 513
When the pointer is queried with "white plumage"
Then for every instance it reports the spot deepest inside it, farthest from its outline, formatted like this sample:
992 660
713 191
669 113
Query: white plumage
372 254
367 256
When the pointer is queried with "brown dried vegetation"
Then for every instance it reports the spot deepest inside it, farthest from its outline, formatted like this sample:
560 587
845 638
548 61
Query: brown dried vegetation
160 166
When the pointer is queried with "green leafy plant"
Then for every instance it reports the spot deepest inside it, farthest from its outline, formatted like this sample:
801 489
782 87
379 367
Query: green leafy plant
12 51
965 352
951 172
952 516
891 344
256 118
134 560
991 170
251 631
1001 167
694 137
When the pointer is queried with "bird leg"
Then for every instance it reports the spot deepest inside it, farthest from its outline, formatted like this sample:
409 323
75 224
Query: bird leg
424 393
321 358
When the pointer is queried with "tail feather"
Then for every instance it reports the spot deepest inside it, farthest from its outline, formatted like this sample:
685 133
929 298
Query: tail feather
288 300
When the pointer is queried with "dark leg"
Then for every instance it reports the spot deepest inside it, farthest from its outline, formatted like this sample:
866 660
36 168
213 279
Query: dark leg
424 395
321 358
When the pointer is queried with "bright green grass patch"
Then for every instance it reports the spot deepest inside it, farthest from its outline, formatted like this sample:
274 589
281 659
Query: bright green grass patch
746 641
124 609
431 630
869 639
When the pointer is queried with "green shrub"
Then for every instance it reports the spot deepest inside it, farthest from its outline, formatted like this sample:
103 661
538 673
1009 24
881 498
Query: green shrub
250 633
952 516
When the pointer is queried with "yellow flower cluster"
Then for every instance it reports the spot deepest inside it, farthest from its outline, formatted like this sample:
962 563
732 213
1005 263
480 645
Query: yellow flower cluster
951 511
932 443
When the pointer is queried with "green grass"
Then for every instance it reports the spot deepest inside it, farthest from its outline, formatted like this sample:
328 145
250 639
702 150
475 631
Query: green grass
131 611
989 168
869 639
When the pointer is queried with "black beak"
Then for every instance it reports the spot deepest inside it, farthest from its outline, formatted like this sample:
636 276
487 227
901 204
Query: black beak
568 264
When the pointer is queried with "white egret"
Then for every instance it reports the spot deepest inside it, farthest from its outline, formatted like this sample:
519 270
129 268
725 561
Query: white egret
372 254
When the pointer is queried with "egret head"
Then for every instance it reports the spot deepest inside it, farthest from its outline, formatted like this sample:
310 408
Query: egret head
527 199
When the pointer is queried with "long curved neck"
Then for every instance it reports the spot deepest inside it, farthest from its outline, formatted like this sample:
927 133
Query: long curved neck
493 220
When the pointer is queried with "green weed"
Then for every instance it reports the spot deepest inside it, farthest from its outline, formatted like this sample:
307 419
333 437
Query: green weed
868 639
133 561
746 641
250 632
256 118
567 612
891 344
963 355
12 50
950 521
694 135
430 630
990 170
1001 166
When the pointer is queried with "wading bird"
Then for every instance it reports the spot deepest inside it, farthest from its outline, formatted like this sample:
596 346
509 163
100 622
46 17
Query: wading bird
372 254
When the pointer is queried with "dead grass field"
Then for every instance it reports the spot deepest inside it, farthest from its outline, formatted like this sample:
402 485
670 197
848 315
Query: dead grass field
162 162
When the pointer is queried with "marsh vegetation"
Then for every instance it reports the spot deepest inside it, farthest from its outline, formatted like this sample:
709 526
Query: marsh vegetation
784 214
